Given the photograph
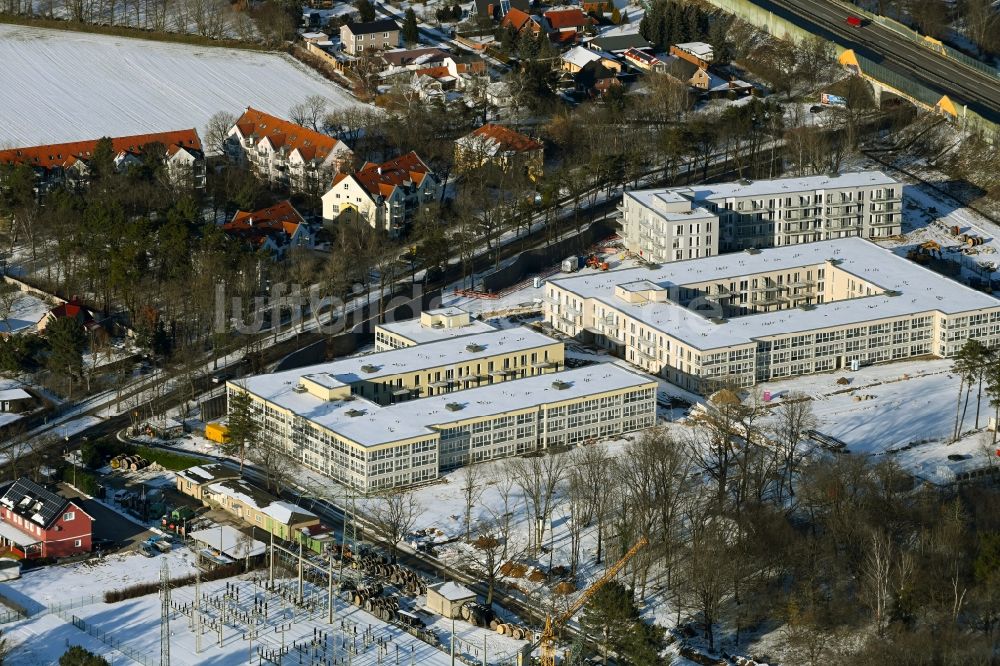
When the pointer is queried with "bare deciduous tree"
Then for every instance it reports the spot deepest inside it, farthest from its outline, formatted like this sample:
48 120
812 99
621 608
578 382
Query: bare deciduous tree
472 490
394 514
538 477
217 129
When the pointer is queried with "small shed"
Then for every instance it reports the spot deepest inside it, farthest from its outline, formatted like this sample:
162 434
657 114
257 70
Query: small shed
16 400
447 598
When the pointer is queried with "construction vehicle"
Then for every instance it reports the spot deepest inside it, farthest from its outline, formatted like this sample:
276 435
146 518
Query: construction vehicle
593 261
548 638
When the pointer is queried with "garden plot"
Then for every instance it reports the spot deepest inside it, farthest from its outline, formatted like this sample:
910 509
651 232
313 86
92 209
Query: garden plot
119 86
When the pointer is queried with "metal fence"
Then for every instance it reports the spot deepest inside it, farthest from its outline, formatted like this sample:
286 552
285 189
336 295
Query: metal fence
114 643
11 616
933 45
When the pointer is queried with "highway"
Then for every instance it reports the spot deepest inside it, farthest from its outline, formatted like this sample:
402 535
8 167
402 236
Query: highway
964 84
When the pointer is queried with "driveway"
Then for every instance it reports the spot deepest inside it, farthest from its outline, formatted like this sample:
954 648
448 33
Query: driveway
108 524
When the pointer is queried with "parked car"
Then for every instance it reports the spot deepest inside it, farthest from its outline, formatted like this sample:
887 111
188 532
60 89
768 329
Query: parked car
147 549
855 21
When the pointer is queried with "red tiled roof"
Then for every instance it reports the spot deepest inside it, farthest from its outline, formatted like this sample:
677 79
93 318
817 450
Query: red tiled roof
286 134
564 36
566 18
434 72
383 179
257 225
507 138
516 18
72 310
66 154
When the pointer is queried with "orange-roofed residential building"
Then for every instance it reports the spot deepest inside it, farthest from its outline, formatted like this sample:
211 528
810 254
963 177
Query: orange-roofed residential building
502 147
69 163
518 20
386 195
276 229
567 19
282 153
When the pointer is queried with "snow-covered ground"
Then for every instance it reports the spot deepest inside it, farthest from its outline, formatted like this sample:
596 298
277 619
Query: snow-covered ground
118 86
304 632
25 311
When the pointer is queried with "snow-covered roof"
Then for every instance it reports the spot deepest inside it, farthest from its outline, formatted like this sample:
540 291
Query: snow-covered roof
204 473
777 186
371 367
698 49
415 331
452 591
369 424
14 394
580 56
908 289
229 541
254 497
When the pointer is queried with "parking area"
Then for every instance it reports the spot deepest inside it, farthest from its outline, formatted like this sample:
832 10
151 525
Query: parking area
108 524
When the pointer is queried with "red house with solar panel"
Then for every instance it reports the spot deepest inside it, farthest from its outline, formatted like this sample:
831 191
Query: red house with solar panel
36 522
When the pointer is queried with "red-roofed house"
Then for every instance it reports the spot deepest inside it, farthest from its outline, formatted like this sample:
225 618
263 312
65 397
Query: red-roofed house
275 229
501 146
72 309
283 153
387 195
518 20
36 522
567 20
68 162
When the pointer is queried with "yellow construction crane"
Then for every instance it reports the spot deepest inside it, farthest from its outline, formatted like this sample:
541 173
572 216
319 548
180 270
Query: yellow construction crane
548 637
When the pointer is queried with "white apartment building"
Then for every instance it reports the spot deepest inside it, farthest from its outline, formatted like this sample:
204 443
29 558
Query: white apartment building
759 315
678 223
386 195
370 447
285 154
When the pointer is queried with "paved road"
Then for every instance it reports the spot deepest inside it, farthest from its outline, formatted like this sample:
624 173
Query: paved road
963 83
108 524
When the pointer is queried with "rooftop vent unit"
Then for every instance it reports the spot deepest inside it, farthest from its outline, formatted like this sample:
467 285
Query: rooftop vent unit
453 406
717 320
893 292
355 412
299 388
560 385
807 307
752 250
368 367
474 347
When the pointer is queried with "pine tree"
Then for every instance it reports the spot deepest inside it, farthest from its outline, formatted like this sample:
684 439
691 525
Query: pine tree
66 340
77 656
242 429
366 10
411 33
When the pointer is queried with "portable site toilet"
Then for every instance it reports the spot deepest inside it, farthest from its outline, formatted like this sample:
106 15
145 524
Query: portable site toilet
446 599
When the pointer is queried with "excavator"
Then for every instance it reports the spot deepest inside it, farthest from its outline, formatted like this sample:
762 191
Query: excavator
547 641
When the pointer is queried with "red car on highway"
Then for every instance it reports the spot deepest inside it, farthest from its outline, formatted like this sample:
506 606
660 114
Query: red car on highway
855 22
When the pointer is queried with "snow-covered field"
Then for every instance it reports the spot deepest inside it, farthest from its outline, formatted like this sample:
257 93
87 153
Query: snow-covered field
25 311
250 629
67 86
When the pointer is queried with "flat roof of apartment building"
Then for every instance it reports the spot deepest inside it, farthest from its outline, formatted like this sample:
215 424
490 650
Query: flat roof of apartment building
413 329
762 188
369 424
907 289
372 367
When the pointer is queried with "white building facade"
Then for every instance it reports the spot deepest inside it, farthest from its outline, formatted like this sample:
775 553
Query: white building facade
746 318
674 224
